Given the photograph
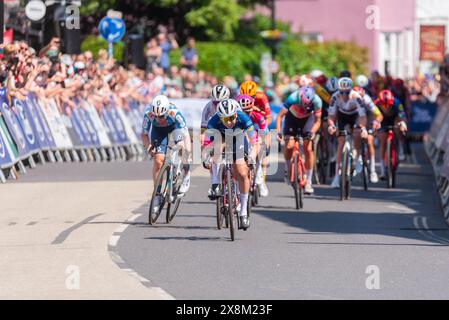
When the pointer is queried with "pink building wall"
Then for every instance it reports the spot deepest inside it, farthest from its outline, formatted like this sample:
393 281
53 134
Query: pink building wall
345 19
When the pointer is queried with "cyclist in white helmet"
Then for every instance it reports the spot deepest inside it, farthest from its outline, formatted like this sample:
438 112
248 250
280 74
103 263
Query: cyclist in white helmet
229 116
344 112
161 119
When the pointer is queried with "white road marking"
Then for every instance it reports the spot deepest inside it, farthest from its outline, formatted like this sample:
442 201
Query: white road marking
121 228
113 240
133 217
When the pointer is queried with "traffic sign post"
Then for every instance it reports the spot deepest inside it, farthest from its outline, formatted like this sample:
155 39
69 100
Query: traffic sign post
112 30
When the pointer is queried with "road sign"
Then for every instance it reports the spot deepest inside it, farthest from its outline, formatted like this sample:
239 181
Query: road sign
35 10
112 29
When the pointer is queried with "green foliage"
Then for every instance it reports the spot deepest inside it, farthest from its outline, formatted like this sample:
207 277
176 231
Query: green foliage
221 59
296 57
94 44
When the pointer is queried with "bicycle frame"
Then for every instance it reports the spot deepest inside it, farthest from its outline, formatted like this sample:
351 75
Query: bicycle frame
299 141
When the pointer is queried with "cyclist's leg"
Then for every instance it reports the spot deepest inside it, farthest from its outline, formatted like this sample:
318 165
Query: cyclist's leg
181 138
159 135
292 126
308 150
382 135
240 171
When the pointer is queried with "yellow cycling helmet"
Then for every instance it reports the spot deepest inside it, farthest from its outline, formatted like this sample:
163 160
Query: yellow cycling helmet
249 88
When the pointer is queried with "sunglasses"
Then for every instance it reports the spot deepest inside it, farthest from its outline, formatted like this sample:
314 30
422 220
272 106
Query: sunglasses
345 92
229 119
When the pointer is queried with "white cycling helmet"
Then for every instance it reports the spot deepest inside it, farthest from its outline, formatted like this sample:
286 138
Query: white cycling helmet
344 84
332 84
220 92
160 105
227 108
362 81
316 73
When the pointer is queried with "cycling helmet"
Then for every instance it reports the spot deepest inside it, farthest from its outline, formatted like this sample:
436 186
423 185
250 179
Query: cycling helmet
362 80
160 105
386 98
332 84
305 80
249 88
316 73
345 74
321 80
246 102
306 94
344 84
227 108
220 92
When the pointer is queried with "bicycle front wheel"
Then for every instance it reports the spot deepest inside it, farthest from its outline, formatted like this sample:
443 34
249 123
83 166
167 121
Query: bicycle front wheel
365 166
161 190
229 194
344 174
390 173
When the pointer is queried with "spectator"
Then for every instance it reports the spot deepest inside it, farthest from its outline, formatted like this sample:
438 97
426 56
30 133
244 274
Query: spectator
166 46
189 56
153 54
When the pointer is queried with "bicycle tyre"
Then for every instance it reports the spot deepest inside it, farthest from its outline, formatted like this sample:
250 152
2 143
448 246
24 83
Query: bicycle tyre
365 166
389 164
344 174
229 194
296 186
153 216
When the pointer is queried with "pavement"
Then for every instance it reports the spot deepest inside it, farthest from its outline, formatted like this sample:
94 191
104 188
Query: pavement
71 231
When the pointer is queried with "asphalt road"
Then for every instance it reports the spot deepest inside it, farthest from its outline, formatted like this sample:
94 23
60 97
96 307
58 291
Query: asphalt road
327 251
94 216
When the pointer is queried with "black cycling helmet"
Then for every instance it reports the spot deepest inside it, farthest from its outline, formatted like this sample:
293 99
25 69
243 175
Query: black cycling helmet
345 74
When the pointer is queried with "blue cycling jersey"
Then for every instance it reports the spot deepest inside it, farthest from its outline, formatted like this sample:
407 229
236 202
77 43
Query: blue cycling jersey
173 119
243 122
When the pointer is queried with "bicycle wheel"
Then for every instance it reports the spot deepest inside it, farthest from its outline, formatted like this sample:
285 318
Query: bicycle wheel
161 189
229 194
344 174
365 166
390 173
172 208
319 167
296 186
219 213
351 170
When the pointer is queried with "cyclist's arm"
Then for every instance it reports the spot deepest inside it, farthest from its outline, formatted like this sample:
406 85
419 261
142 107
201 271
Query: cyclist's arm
146 126
332 118
317 109
279 118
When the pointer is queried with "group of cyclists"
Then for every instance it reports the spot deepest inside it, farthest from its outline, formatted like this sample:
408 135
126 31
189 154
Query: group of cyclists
320 106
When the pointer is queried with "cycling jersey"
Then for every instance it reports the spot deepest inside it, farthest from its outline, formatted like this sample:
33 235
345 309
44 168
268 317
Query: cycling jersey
243 122
173 120
390 115
300 111
322 93
262 104
370 106
350 107
208 111
258 121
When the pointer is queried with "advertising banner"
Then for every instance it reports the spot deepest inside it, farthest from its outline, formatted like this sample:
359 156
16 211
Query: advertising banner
432 43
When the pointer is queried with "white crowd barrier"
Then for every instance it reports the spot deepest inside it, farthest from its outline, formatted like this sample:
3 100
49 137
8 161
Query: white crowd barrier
436 143
35 130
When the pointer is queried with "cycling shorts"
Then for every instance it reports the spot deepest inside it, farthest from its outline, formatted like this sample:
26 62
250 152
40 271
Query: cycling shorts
344 120
294 126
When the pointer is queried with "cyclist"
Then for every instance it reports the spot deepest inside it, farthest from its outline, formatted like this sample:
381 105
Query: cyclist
393 114
163 118
262 106
303 115
219 93
375 118
346 111
247 105
229 116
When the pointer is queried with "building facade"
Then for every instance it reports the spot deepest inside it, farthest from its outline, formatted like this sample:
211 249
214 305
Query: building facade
385 27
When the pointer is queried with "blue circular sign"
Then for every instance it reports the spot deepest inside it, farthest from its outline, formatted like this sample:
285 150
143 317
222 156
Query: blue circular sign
112 29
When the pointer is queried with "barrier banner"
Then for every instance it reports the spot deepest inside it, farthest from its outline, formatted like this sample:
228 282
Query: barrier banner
27 125
94 119
56 126
6 160
118 124
135 116
38 127
422 115
73 126
14 126
40 105
191 109
132 138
